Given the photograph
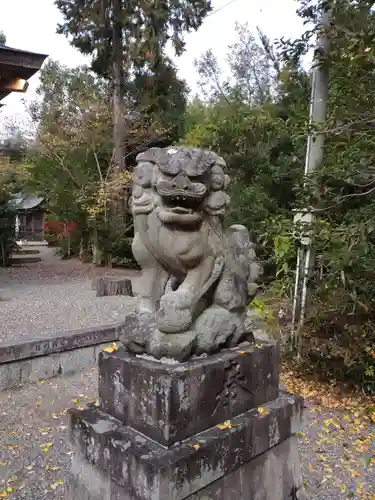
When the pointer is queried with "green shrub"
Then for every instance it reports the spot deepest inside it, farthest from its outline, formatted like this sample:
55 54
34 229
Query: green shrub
122 255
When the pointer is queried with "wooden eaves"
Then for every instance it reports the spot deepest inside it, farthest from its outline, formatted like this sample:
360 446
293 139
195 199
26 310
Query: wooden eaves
16 67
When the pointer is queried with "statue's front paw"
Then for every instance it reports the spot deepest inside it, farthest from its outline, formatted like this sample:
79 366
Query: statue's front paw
180 346
136 330
174 315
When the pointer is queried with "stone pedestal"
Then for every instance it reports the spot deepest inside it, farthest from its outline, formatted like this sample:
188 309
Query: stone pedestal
214 428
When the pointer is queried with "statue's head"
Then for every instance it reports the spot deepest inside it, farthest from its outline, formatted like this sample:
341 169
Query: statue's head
181 184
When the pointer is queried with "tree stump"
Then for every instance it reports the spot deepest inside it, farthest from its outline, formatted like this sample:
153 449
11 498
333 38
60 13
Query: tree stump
107 286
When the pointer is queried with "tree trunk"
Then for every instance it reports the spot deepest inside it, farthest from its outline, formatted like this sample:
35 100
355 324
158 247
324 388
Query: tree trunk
85 252
119 124
97 252
107 286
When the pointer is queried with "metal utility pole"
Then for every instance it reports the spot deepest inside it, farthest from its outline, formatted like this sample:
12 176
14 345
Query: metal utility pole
314 157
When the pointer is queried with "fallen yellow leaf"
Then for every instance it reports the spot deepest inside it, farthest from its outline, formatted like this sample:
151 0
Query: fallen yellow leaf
263 411
195 446
226 425
58 483
46 447
114 347
48 468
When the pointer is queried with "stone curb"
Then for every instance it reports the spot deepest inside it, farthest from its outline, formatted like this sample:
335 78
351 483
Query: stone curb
27 362
66 341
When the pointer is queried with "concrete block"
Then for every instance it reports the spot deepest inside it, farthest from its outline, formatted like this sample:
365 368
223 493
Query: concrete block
41 368
73 361
23 371
10 376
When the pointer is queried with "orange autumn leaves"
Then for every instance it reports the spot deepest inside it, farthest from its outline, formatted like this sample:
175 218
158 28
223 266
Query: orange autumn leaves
324 393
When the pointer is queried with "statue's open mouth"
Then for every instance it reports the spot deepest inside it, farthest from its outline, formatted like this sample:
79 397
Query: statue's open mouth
181 201
181 204
180 209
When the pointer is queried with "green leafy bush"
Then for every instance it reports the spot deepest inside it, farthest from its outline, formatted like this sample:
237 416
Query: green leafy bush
122 255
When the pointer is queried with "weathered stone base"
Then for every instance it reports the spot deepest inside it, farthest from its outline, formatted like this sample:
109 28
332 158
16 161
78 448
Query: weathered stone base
146 470
213 428
171 402
273 475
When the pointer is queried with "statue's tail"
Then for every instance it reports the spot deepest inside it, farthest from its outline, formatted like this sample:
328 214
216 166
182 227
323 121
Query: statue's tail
239 238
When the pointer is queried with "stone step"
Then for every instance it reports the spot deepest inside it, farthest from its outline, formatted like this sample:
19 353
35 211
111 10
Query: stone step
33 243
27 251
24 259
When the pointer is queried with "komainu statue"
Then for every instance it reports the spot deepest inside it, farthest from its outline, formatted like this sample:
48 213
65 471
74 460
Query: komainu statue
197 275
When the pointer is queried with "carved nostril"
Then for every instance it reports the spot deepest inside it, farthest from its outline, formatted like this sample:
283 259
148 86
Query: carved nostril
186 188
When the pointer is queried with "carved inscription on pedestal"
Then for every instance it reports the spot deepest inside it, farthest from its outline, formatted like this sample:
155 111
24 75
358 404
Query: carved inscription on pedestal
235 387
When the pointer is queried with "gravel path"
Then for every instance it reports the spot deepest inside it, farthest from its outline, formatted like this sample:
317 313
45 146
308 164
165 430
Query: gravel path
54 295
34 450
335 449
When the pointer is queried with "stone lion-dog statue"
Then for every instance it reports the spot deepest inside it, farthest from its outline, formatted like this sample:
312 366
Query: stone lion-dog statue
198 276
